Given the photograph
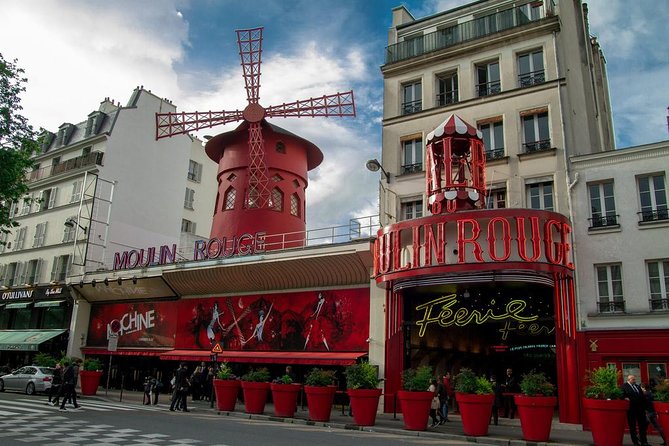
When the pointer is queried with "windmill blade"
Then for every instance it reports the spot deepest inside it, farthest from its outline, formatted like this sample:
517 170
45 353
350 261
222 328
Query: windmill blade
250 51
338 104
257 194
170 124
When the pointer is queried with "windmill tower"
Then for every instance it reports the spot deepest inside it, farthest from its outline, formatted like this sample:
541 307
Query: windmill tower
262 168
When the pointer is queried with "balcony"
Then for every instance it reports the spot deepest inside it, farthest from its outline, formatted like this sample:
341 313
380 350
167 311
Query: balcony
659 304
92 159
412 107
611 307
462 32
488 88
450 97
496 154
412 168
529 79
650 215
537 146
602 221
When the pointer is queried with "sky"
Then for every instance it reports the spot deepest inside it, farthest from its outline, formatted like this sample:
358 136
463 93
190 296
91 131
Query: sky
77 52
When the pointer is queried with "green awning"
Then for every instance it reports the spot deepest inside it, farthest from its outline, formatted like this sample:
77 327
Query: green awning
25 340
17 305
49 303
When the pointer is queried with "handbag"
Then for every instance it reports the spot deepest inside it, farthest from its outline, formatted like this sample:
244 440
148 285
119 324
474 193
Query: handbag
435 403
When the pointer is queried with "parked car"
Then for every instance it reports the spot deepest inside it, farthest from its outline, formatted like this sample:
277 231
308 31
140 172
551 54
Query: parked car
29 379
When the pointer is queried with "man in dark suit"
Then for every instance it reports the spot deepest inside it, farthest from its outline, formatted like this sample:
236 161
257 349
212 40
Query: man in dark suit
636 415
181 385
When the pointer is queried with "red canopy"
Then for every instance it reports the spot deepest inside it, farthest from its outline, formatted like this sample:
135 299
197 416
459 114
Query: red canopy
267 357
454 125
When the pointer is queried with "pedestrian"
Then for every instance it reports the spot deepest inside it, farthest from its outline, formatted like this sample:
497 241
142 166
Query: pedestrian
434 405
651 414
148 389
181 386
450 392
443 402
69 392
498 400
158 387
510 387
290 373
196 383
636 413
56 384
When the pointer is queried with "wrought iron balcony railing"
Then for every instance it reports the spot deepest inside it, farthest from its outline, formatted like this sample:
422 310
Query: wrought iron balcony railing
450 97
93 158
412 168
659 304
488 88
537 146
494 154
653 215
601 221
462 32
412 107
611 307
529 79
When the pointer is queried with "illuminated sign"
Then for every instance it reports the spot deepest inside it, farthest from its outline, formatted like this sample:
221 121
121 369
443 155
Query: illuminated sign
19 294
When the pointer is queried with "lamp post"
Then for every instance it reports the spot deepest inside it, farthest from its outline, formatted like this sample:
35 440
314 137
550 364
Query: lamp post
374 165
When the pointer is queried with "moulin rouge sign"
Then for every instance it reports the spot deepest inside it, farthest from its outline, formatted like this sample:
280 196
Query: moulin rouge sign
495 238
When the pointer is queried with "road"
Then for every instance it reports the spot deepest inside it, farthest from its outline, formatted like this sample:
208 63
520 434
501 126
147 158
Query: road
28 420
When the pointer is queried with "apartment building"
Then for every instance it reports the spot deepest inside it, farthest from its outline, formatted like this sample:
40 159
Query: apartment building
99 186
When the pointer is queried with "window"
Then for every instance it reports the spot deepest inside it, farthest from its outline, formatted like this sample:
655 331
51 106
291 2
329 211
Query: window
53 317
69 232
12 209
3 241
33 272
536 136
495 198
40 235
540 196
230 196
295 205
190 197
412 156
530 11
20 238
411 209
280 147
77 188
22 319
414 46
11 274
658 281
194 171
412 98
653 198
602 205
60 268
488 79
253 198
610 288
187 226
531 68
27 202
276 200
493 139
94 123
48 199
277 178
447 87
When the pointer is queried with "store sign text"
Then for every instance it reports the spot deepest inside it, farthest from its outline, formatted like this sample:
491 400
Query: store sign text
20 294
132 322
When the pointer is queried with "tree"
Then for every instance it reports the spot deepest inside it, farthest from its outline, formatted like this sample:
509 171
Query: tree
17 142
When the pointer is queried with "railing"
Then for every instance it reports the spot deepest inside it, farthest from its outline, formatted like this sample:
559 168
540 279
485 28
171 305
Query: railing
450 97
659 304
412 107
601 221
494 154
462 32
412 168
611 307
488 88
93 158
653 215
529 79
537 146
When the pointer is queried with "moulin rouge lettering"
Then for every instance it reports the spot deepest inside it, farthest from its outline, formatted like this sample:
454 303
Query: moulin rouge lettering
132 322
440 311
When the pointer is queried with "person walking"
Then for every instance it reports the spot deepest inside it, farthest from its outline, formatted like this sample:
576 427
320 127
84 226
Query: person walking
443 402
498 401
509 388
434 405
651 414
181 385
148 389
69 392
636 413
56 384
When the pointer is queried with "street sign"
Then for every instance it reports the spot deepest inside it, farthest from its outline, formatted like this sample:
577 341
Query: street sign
112 346
217 348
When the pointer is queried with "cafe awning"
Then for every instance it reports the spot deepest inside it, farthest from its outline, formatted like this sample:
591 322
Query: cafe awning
122 351
49 303
17 305
267 357
25 340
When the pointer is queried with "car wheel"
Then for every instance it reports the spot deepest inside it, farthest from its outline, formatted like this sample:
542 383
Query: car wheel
2 386
30 389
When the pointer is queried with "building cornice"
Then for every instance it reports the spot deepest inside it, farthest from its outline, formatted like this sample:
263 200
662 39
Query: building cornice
621 156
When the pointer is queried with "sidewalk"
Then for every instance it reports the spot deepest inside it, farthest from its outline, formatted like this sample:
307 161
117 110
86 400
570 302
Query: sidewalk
508 432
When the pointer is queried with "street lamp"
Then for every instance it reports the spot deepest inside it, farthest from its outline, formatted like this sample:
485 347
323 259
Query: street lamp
71 223
374 165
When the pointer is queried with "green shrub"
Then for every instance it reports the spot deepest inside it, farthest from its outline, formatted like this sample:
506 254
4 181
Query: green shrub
44 360
417 380
662 392
257 376
285 379
225 372
319 377
92 365
535 383
467 382
362 376
603 384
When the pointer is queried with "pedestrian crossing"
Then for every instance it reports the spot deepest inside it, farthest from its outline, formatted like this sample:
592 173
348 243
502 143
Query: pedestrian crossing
23 406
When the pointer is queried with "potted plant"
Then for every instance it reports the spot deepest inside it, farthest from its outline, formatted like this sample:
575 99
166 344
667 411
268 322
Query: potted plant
536 405
605 410
226 388
320 390
255 385
661 394
44 360
284 396
361 382
415 399
90 376
475 398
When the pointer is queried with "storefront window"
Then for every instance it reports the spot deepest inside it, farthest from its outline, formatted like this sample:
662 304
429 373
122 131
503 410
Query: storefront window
4 320
53 317
657 372
22 319
631 368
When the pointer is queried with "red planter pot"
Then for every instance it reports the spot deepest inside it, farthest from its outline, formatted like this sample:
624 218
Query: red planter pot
319 402
89 381
475 411
662 410
536 416
364 404
415 409
226 394
255 396
285 399
607 419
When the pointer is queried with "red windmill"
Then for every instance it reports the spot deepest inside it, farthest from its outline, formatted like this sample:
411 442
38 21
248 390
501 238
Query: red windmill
262 173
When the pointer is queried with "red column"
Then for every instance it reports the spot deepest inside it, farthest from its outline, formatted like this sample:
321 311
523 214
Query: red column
569 386
394 350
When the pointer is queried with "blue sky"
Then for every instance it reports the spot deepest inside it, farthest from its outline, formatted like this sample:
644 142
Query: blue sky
77 52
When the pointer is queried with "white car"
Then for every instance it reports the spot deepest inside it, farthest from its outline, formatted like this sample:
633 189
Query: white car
29 379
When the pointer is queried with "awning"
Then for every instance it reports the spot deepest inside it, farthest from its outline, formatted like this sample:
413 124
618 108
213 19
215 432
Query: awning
49 303
265 357
122 351
25 340
16 305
